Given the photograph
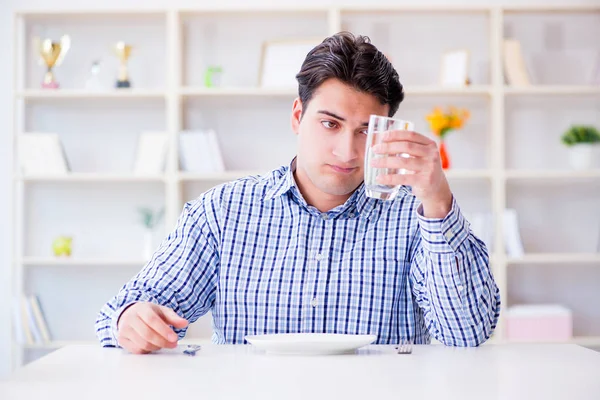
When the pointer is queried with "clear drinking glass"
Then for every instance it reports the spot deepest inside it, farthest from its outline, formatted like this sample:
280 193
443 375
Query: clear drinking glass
377 126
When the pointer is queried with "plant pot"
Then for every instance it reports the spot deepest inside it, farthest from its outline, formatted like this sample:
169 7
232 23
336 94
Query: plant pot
444 156
581 156
148 248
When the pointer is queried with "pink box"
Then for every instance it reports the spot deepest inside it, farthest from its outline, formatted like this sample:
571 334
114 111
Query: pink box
539 323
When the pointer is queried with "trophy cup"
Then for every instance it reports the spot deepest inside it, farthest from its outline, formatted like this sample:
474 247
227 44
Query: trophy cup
52 54
123 51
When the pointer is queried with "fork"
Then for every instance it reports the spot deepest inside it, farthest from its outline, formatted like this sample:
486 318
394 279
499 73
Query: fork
405 346
191 349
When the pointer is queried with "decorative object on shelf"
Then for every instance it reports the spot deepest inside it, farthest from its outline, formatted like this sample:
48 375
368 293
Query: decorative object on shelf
42 153
281 60
52 54
515 68
93 82
455 69
123 51
150 220
441 123
200 152
582 141
539 323
212 76
512 235
62 246
151 153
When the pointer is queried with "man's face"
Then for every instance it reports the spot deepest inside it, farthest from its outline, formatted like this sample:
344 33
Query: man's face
331 138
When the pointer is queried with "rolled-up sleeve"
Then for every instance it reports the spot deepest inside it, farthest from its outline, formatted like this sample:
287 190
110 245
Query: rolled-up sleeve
452 280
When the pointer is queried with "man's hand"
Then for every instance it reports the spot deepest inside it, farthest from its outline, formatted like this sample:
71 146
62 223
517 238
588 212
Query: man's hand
426 176
144 327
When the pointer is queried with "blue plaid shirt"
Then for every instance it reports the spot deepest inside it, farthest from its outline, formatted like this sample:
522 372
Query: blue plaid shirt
263 261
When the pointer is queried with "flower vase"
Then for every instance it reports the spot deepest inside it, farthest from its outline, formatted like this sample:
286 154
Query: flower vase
444 156
148 248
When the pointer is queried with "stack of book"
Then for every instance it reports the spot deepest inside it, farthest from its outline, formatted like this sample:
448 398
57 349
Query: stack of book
29 322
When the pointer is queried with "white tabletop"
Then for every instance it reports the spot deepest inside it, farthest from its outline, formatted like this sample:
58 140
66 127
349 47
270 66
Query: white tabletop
376 372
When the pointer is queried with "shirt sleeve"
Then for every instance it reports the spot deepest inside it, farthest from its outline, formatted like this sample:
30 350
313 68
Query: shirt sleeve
452 281
181 275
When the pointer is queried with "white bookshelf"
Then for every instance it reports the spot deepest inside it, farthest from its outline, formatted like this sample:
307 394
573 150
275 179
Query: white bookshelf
175 46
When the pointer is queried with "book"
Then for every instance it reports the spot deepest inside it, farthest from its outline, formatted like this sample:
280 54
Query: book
512 237
200 152
39 318
482 225
515 68
151 153
33 327
42 153
24 317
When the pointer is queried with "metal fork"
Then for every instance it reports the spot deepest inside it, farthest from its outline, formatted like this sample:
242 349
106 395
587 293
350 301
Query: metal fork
405 346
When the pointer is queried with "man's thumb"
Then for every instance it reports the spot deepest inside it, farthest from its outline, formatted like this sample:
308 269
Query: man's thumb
171 318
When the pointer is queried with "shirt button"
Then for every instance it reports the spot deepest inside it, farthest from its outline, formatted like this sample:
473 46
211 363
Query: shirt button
449 235
319 257
313 302
324 216
460 288
351 215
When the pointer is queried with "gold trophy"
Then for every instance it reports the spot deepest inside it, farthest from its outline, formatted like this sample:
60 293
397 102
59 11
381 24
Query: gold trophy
123 51
52 54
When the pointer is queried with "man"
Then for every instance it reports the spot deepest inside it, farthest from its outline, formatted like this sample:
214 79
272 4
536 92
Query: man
302 249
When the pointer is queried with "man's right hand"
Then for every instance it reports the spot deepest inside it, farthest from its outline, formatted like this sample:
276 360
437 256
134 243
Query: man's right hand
144 327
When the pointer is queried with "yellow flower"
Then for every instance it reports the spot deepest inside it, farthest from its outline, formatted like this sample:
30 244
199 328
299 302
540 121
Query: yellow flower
441 122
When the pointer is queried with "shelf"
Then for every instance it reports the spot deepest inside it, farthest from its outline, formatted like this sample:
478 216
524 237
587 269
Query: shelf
81 94
468 174
440 90
551 89
237 91
216 176
556 258
83 262
541 174
91 177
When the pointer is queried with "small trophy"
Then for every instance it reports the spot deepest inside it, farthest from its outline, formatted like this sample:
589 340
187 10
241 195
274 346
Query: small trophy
52 54
123 51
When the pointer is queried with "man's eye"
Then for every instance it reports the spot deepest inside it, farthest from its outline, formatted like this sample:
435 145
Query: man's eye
329 124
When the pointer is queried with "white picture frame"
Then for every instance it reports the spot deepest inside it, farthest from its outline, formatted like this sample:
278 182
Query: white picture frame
281 60
454 70
42 153
151 153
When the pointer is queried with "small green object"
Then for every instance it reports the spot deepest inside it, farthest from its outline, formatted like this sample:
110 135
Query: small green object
578 134
62 246
209 75
150 218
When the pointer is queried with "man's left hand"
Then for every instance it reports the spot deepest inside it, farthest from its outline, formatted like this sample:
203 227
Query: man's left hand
425 176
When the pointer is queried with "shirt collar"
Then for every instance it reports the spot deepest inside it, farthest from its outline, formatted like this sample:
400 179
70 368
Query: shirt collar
285 183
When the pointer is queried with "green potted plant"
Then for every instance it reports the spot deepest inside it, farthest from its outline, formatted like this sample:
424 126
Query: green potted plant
581 141
150 219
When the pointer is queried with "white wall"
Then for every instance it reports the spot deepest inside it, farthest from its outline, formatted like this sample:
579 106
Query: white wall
6 44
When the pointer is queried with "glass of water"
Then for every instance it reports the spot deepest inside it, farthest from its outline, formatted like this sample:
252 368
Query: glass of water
377 126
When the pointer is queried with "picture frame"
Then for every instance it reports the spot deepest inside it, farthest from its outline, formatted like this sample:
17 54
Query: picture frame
281 60
454 70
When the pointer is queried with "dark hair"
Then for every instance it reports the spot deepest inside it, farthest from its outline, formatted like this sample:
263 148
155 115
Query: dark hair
354 61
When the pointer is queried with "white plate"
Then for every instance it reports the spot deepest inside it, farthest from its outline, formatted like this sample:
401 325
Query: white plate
310 343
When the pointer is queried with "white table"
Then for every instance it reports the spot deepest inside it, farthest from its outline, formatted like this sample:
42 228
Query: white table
376 372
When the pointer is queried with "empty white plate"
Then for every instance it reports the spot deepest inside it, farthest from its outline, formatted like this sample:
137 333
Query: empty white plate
310 343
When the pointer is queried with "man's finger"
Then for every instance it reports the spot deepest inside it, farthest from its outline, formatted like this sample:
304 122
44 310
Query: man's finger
171 317
398 179
131 347
141 343
406 147
409 136
151 339
156 323
411 164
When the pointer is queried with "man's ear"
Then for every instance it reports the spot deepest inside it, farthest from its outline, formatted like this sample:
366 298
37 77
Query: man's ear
296 115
